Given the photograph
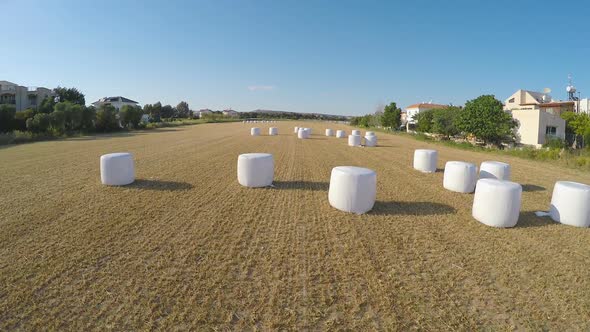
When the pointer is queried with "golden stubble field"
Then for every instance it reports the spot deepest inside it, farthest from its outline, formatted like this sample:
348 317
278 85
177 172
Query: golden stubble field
186 247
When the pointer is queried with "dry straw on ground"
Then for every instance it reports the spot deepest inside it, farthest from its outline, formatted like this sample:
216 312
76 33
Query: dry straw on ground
187 247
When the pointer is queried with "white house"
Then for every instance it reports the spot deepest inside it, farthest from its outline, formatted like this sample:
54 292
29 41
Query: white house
538 116
117 102
23 97
203 112
230 113
414 109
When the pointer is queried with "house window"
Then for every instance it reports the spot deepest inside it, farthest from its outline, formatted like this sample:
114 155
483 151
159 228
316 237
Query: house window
551 131
511 100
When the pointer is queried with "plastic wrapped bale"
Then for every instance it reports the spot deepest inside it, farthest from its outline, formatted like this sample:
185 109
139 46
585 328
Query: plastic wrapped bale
570 204
296 130
273 131
352 189
329 132
255 131
117 169
303 134
340 133
496 203
308 131
370 140
370 133
255 169
354 140
356 132
494 170
425 160
460 176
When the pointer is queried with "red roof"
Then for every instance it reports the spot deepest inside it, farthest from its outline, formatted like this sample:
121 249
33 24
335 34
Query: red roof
425 105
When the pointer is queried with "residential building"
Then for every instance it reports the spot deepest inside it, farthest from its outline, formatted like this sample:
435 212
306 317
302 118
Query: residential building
117 102
23 97
584 106
203 112
230 113
538 116
414 109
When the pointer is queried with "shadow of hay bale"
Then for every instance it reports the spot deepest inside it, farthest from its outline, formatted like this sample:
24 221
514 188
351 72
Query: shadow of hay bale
411 208
159 185
532 187
528 219
304 185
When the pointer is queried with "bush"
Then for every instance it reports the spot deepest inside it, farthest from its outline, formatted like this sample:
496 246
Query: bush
39 123
554 143
7 113
20 119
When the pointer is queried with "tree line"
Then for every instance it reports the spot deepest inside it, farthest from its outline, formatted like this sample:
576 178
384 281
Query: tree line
482 118
68 114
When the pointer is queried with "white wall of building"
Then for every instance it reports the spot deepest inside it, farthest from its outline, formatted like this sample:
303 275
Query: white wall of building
532 126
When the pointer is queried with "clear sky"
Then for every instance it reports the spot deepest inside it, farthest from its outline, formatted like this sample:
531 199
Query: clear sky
339 57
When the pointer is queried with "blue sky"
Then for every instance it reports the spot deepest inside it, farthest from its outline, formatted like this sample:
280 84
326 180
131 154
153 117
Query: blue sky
339 57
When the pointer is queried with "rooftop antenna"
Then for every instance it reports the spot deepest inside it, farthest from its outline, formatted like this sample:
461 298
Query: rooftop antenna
571 89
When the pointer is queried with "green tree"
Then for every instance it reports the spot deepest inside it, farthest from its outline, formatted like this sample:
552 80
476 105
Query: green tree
88 118
167 112
444 121
46 105
39 123
485 118
106 118
391 117
423 121
154 111
57 122
130 116
577 126
70 94
182 110
7 113
73 114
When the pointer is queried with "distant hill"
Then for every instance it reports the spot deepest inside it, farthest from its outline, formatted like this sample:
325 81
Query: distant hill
295 115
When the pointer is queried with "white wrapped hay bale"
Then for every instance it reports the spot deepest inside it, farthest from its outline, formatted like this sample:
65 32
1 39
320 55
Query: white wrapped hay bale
370 133
496 203
354 140
117 169
329 132
273 131
296 130
340 133
370 140
255 131
425 160
303 133
460 176
570 204
255 169
352 189
494 170
356 132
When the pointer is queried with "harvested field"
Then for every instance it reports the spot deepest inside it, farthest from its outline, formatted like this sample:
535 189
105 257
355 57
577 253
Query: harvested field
187 247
